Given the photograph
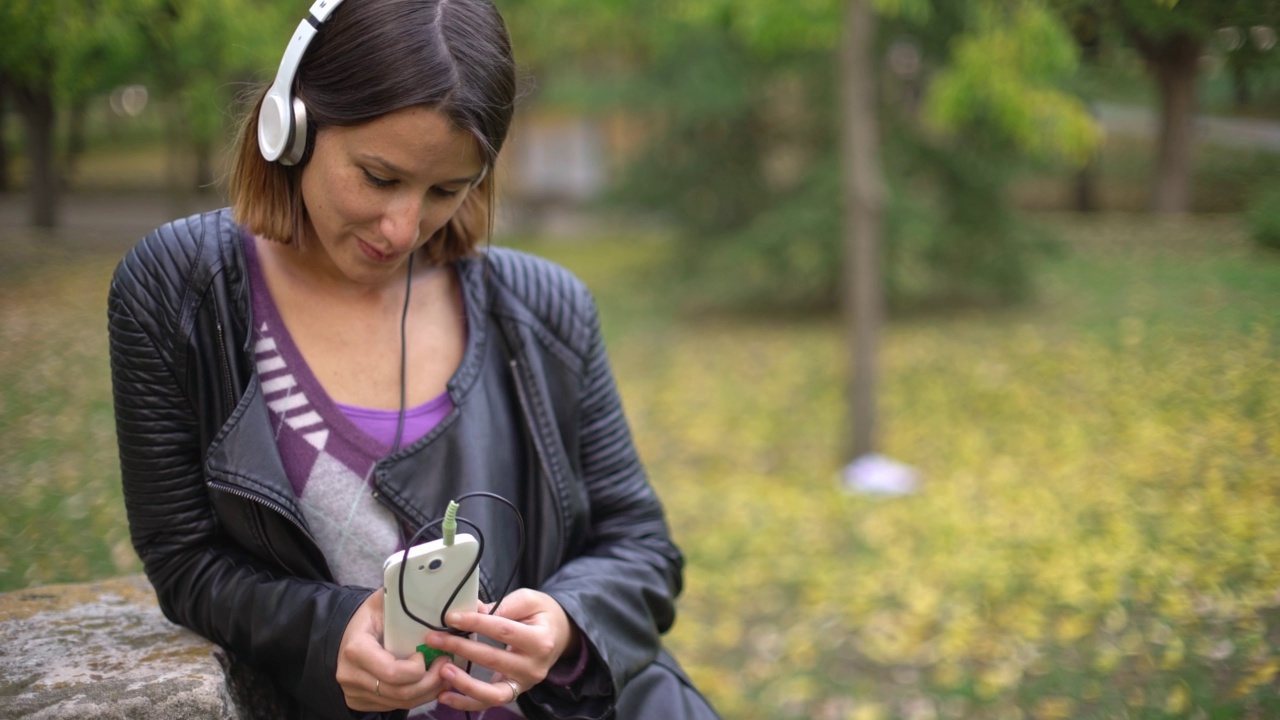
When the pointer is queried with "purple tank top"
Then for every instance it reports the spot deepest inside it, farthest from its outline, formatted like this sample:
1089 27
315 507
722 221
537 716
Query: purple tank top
381 424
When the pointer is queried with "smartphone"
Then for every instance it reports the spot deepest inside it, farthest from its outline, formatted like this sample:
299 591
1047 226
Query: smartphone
432 572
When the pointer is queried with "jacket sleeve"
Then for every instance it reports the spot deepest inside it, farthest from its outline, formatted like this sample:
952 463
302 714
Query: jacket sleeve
288 627
620 591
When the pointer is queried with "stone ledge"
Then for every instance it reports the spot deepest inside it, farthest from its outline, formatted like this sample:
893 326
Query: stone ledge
104 650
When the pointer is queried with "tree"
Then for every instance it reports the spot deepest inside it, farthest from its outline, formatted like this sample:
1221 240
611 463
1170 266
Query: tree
1171 36
1007 66
57 54
746 102
28 69
199 52
864 193
53 53
4 137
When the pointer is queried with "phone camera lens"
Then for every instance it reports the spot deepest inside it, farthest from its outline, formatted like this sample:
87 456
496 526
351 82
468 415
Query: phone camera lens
435 564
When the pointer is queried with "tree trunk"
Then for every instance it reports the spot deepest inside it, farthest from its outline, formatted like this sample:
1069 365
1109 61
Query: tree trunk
864 199
4 134
76 117
1086 187
37 110
1086 184
1174 63
1240 90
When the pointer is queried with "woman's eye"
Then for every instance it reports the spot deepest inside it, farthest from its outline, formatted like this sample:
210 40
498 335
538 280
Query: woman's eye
376 181
445 192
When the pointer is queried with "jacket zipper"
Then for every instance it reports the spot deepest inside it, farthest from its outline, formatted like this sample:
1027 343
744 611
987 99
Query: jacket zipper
270 505
226 366
279 510
259 499
538 446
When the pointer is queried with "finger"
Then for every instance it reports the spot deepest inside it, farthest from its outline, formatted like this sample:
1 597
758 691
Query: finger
492 626
375 662
480 653
409 695
367 695
471 694
377 615
520 605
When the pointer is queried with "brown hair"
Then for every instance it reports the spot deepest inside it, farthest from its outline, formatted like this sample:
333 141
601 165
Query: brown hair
373 57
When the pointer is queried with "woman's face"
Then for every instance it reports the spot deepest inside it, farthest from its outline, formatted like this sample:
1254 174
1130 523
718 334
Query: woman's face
376 192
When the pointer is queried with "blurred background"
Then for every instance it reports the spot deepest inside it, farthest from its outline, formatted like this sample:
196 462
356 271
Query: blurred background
1065 216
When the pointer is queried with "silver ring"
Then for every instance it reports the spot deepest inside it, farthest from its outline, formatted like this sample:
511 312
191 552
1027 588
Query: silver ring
377 688
515 689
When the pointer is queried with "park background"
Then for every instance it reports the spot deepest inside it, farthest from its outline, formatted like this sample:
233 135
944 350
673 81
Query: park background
1079 258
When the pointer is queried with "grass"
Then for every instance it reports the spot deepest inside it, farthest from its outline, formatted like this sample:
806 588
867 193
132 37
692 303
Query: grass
1097 535
63 516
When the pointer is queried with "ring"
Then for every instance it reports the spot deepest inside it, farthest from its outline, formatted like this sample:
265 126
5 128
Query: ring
515 689
377 688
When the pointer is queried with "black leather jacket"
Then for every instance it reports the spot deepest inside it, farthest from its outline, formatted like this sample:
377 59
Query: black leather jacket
537 420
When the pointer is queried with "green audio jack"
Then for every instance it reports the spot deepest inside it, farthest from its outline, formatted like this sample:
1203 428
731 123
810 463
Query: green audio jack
450 525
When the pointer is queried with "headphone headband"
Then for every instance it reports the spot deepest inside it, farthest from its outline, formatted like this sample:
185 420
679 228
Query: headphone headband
282 119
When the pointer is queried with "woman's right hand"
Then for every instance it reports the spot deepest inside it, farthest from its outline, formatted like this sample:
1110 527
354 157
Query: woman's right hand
372 679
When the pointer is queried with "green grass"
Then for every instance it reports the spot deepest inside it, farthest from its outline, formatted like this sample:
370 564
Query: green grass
1097 535
62 513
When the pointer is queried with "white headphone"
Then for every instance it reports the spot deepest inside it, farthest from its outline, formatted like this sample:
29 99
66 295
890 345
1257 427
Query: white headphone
282 120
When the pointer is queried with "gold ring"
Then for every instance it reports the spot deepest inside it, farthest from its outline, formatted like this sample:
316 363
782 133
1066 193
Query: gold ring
377 688
515 689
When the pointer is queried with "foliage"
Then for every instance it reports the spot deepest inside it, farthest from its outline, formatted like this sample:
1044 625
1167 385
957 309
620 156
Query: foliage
1264 218
1013 69
193 55
65 48
740 107
199 53
1171 36
1201 18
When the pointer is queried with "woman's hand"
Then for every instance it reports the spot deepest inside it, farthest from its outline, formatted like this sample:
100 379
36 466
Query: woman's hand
536 632
372 678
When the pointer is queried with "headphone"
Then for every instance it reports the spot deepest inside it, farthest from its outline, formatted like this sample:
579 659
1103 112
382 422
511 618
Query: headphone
282 119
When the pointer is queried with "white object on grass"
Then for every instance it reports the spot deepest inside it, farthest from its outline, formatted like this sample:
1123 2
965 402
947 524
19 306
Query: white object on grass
873 474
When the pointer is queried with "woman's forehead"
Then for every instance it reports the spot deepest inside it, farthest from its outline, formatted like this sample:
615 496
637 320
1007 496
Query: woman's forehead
414 140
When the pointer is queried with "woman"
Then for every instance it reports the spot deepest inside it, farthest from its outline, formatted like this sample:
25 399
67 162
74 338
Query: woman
304 379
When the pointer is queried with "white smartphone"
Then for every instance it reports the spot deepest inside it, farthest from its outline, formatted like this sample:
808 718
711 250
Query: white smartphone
432 572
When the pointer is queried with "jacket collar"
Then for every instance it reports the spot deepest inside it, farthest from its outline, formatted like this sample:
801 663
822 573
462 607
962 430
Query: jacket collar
476 287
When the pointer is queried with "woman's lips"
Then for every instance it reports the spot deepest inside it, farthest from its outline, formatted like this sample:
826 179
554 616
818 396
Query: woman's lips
374 254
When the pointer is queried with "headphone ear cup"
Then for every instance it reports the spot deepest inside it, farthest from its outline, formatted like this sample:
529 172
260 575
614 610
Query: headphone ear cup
298 134
275 123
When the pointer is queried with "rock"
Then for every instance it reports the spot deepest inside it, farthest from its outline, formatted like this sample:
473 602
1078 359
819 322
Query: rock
104 650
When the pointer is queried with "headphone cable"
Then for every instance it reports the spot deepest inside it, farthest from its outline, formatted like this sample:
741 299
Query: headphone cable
404 317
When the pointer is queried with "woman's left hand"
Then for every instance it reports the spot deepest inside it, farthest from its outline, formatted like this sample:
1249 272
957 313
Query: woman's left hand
536 632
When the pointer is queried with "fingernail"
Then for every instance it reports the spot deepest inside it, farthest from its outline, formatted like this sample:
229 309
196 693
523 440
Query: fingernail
453 618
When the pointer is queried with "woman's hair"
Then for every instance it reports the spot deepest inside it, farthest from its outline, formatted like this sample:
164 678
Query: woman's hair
370 58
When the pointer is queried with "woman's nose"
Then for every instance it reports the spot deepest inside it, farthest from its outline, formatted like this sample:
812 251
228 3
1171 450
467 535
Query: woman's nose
401 223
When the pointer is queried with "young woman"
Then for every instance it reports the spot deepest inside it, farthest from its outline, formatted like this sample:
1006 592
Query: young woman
304 379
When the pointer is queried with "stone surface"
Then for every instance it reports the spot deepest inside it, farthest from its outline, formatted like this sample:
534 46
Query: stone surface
104 650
